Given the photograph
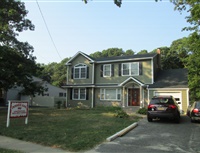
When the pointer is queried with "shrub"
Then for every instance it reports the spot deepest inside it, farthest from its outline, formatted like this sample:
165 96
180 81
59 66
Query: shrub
142 111
121 114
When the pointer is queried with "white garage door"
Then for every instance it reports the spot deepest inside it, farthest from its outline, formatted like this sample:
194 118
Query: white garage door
176 95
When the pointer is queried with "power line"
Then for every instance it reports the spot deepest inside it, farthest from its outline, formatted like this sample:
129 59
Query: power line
48 29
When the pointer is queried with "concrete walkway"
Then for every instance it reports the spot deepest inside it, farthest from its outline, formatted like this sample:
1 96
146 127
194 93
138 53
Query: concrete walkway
26 147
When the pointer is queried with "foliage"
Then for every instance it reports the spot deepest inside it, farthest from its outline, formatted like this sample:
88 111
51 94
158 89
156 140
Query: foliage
121 114
143 52
17 63
72 130
142 110
54 73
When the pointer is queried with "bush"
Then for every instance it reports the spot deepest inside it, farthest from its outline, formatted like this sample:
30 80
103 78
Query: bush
121 114
142 111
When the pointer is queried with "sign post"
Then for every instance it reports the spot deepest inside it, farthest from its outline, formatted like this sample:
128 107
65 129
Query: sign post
17 109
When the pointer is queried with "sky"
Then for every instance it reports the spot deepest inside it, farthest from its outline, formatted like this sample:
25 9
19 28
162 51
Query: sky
64 27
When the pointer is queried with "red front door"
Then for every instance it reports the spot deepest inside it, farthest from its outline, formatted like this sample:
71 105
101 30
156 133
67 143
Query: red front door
133 97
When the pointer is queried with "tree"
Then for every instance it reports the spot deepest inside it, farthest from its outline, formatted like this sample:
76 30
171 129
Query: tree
110 52
96 54
17 65
54 73
129 52
143 52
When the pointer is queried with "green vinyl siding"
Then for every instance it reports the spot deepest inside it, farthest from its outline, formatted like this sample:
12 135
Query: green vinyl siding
145 76
78 60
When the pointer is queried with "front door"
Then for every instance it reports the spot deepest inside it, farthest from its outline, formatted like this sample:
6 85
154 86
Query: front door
133 97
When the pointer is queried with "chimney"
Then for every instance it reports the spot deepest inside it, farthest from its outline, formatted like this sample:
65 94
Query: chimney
159 58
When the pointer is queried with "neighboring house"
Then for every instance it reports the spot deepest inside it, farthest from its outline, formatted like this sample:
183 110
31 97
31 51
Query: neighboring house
48 98
126 81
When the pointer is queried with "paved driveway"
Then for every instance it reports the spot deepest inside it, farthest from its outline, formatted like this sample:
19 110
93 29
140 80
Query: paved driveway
157 137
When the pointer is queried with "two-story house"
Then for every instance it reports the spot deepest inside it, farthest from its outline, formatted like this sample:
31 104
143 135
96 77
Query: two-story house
126 81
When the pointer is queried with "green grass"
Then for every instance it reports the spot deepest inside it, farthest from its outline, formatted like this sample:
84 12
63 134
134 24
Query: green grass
72 130
9 151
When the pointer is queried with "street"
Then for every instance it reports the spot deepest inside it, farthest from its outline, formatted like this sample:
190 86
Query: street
157 137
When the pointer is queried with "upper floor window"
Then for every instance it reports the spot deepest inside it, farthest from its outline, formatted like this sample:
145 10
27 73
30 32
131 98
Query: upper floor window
80 71
130 69
107 70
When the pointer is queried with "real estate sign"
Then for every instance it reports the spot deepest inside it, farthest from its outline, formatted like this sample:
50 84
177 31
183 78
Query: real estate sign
17 109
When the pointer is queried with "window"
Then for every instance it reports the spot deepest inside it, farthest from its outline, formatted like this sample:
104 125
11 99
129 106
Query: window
61 94
80 71
110 94
107 70
79 94
130 68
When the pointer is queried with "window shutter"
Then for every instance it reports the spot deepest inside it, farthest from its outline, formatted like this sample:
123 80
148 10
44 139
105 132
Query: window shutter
119 69
72 73
140 68
87 93
70 93
87 71
101 71
112 70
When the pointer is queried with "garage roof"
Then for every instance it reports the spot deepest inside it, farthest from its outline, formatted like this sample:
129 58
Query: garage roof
172 78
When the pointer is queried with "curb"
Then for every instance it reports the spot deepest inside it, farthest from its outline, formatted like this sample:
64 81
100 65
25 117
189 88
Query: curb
122 132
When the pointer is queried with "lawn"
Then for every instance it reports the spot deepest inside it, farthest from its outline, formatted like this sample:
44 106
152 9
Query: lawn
8 151
69 129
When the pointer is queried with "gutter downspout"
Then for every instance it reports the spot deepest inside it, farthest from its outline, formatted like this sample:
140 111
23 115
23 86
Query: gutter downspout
67 80
92 104
148 94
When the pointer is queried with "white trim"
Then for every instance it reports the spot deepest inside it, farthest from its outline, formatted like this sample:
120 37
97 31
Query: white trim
92 105
80 66
187 97
104 70
172 93
168 89
131 78
68 62
103 91
152 71
130 68
121 60
92 73
79 93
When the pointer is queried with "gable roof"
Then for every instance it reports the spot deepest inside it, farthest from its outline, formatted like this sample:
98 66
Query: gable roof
172 78
133 79
126 58
83 54
114 58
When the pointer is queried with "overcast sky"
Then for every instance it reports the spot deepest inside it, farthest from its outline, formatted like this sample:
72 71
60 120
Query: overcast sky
73 26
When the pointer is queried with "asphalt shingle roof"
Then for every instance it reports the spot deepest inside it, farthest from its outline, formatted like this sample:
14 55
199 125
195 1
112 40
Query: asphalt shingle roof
137 56
172 78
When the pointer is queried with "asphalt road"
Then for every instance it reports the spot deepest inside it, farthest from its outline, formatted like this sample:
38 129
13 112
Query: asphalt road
157 137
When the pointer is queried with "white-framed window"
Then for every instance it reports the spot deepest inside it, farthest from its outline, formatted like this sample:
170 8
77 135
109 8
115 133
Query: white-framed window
80 71
79 94
130 69
110 94
107 70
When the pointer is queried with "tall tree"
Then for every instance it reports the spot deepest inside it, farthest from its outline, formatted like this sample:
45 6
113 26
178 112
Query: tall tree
143 52
129 52
17 64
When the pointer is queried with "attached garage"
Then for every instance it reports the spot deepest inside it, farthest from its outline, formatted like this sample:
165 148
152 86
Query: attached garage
175 94
172 82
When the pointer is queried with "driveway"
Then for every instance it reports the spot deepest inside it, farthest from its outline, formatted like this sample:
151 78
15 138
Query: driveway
157 137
